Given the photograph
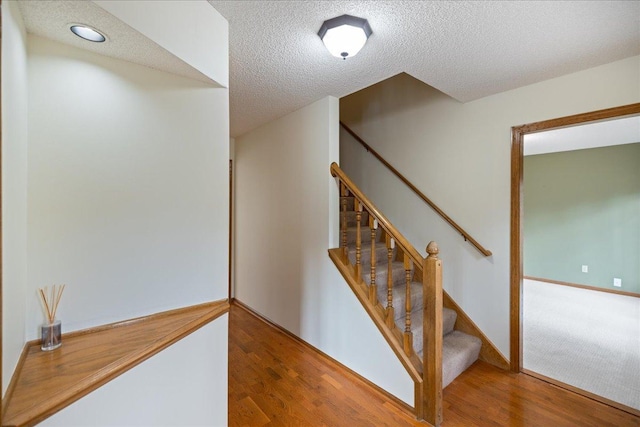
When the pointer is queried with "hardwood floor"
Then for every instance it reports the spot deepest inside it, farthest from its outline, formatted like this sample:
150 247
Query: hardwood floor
275 380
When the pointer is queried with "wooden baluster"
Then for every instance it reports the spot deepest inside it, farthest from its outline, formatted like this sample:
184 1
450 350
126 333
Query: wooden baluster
345 250
358 268
432 336
390 311
408 335
373 288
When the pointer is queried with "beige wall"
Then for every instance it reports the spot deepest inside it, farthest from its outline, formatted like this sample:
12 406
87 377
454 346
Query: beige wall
14 186
459 156
128 187
285 220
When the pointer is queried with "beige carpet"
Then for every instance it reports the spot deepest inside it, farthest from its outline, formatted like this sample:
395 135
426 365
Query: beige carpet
587 339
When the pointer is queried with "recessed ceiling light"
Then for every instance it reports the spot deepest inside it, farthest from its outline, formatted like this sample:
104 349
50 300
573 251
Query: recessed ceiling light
345 35
87 33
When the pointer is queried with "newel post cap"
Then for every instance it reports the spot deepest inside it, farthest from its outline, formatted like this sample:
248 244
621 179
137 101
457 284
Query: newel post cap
432 249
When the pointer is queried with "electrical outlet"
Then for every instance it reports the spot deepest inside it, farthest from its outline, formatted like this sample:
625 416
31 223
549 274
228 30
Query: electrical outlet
617 282
585 268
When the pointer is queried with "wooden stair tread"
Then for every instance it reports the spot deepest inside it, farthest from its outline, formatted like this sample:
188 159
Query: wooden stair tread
46 382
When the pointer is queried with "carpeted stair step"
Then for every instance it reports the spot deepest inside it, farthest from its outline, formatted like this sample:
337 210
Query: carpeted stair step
365 235
459 351
417 326
351 218
449 318
350 202
397 275
365 255
399 293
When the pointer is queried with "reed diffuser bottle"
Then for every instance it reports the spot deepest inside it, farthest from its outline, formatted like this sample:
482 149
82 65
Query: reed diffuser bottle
51 329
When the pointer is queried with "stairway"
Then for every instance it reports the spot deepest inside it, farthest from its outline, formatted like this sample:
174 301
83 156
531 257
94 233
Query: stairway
459 350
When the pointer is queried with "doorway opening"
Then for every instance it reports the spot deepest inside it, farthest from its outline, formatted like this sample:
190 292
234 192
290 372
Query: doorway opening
519 133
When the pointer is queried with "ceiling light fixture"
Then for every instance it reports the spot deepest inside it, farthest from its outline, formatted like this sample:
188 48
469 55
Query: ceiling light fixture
87 33
345 35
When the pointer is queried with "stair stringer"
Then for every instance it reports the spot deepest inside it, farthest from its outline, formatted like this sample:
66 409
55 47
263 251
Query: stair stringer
488 352
393 336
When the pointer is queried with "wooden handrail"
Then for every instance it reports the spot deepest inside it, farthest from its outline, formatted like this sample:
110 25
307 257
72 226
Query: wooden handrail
382 220
428 201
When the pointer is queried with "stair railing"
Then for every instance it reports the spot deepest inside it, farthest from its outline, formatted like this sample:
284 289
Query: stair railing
426 373
465 235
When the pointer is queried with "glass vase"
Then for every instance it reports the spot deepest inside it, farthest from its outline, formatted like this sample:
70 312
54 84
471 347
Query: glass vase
51 335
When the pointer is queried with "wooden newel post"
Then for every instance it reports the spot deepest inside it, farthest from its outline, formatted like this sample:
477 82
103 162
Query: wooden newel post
432 359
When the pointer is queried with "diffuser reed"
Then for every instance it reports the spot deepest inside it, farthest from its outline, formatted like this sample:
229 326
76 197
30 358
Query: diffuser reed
52 329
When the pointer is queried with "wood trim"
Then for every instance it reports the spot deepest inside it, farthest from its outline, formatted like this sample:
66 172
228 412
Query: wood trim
230 254
401 404
383 222
590 288
12 384
412 363
419 193
215 305
89 359
418 398
488 352
582 392
515 304
516 272
567 121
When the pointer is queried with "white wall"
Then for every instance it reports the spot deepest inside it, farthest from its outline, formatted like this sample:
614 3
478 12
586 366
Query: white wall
197 34
128 187
128 205
459 156
14 186
160 382
286 220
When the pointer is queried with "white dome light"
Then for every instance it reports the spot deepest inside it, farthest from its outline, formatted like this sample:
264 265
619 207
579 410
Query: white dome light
87 33
345 35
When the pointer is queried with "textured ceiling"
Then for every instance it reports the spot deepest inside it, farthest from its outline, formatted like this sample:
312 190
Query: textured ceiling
466 49
51 19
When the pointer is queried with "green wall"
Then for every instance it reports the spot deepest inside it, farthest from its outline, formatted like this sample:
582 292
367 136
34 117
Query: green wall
583 208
